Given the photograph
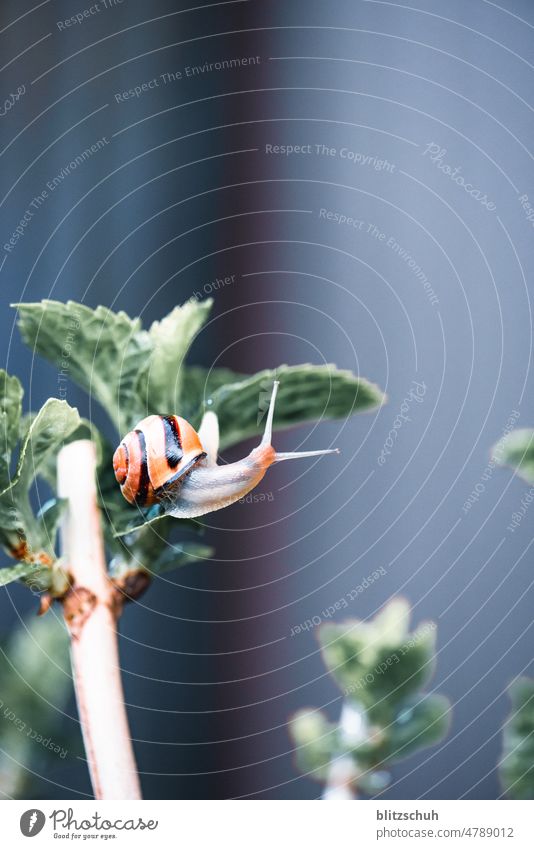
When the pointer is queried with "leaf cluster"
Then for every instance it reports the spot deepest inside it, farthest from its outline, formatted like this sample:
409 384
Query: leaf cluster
27 443
517 764
133 372
382 669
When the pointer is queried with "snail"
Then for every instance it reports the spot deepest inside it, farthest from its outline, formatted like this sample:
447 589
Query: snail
165 462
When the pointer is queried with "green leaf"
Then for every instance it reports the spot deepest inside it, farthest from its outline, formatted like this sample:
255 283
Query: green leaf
103 351
86 430
424 724
315 740
415 726
15 573
399 673
307 393
149 549
130 371
199 384
517 765
10 412
143 521
179 554
48 430
516 449
170 341
347 654
10 423
390 626
49 517
21 534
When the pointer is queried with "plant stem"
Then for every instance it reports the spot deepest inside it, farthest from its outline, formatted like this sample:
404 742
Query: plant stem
91 611
341 783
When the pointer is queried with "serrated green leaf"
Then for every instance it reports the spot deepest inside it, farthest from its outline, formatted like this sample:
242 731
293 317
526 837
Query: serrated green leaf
130 371
517 765
516 449
10 412
48 430
21 534
170 341
11 535
103 351
307 393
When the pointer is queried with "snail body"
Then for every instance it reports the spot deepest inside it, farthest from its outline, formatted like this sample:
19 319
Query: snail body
165 461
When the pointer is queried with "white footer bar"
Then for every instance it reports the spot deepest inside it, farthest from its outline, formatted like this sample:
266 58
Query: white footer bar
269 825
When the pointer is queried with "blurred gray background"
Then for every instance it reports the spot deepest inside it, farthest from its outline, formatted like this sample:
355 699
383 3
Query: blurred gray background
416 121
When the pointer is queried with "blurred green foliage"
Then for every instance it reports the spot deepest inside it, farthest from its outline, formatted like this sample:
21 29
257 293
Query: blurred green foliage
35 686
516 769
381 668
517 765
516 449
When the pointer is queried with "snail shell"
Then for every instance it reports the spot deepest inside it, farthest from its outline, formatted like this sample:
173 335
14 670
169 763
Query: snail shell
154 456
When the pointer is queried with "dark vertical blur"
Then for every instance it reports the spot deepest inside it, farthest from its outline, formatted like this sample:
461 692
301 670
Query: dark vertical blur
188 193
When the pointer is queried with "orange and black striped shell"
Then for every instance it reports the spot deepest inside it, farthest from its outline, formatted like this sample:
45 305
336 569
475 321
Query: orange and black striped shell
155 456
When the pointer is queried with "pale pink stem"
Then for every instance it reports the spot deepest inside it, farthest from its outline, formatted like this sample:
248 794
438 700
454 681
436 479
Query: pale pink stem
91 609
